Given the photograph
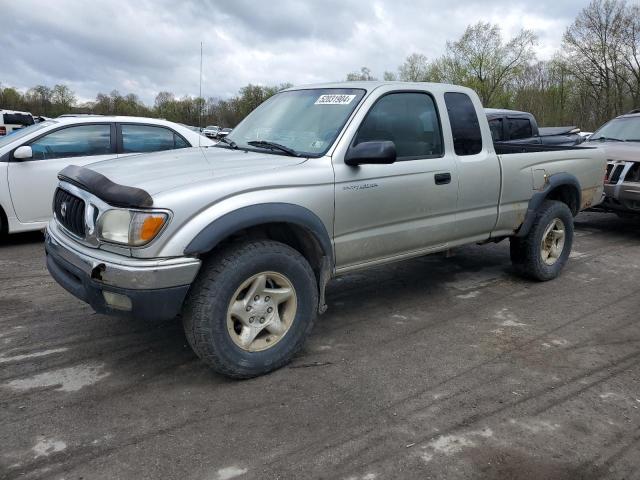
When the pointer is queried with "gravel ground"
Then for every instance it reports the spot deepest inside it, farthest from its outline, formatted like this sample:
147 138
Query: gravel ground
430 368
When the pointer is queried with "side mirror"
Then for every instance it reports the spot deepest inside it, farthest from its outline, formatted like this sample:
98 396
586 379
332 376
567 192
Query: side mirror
23 153
378 152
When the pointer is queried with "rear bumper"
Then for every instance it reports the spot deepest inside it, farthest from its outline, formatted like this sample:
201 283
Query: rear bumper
149 290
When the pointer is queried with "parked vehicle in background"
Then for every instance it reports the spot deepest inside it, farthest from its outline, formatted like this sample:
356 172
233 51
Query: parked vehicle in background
31 158
620 139
12 120
242 238
224 132
512 126
585 135
211 131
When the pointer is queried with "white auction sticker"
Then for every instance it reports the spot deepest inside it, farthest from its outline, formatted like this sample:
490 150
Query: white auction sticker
335 99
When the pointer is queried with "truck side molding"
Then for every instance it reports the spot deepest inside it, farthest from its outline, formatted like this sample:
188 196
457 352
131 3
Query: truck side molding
261 214
553 184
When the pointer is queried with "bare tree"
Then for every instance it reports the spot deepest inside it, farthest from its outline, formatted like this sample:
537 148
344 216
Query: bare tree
62 99
414 69
595 50
482 60
389 76
364 74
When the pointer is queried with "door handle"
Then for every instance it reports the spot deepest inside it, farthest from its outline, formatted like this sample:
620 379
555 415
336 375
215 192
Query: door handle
442 178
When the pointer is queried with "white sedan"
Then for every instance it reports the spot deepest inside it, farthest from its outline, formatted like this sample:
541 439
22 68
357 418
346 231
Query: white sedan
31 158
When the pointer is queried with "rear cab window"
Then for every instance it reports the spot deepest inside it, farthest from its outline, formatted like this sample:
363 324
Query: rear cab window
519 128
465 127
21 119
495 124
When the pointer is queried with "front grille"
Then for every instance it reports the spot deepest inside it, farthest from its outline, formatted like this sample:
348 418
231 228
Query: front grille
69 211
614 176
609 168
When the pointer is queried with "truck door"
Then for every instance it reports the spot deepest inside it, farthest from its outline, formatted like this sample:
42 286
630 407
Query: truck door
384 211
478 168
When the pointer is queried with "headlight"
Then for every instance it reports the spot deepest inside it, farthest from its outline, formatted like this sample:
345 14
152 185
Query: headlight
130 227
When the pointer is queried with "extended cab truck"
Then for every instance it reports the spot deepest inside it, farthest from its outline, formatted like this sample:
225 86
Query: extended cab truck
512 126
241 239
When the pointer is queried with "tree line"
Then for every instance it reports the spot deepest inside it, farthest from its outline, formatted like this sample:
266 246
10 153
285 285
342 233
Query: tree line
593 77
52 102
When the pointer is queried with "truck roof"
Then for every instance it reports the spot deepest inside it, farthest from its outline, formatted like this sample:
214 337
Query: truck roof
14 111
504 111
632 113
373 84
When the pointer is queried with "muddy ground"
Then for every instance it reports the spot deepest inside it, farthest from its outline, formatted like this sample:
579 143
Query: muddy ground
430 368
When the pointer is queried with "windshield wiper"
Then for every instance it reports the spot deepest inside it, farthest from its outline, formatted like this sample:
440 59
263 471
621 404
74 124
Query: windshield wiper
229 142
606 139
273 146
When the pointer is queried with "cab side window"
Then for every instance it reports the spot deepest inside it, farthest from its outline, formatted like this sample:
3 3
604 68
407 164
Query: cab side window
519 128
78 141
409 120
496 129
148 138
465 127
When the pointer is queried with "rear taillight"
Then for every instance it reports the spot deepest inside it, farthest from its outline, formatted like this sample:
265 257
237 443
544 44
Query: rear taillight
3 130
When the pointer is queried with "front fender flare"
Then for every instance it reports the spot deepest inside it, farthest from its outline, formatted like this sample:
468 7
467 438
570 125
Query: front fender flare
260 214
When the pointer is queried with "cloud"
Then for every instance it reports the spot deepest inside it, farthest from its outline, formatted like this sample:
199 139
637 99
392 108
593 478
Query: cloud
145 47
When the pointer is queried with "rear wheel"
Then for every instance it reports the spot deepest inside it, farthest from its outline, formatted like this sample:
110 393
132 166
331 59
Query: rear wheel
251 308
544 251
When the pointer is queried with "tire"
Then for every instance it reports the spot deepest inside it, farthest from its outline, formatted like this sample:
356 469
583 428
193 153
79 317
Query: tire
4 226
528 253
217 330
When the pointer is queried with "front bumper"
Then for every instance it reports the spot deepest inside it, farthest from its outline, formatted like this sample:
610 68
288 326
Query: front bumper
622 197
112 284
621 187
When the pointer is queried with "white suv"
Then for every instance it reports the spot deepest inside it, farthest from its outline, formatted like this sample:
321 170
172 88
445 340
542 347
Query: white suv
211 131
31 158
11 120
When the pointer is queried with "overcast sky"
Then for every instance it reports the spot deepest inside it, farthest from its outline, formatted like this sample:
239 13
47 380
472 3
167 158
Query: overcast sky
145 46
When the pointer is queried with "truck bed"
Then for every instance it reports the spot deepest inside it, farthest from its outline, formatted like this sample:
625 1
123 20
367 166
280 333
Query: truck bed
526 168
505 148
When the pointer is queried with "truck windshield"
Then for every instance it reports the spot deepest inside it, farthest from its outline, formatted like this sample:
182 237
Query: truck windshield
624 129
305 121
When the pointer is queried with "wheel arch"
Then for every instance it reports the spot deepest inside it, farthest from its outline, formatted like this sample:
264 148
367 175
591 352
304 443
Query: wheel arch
290 224
563 187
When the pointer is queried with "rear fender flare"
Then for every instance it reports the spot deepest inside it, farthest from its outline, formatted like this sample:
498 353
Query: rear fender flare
553 182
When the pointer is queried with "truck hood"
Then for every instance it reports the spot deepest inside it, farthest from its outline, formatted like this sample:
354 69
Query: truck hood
627 151
161 171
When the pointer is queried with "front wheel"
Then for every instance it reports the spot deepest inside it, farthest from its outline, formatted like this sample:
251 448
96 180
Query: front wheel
544 251
251 308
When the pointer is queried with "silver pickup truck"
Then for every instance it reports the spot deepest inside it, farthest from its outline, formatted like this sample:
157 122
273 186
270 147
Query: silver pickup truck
241 238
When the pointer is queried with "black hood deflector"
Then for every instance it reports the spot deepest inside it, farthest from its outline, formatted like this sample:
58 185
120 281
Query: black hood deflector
106 190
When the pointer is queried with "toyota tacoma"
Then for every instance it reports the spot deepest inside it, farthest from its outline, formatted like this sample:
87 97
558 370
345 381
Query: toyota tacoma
240 239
